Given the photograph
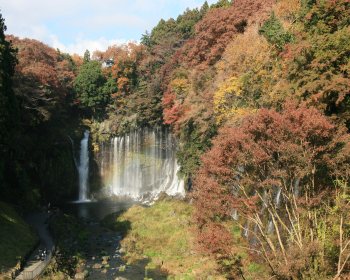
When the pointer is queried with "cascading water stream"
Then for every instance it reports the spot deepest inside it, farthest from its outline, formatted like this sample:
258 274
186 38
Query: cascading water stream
83 168
245 230
234 214
73 152
141 165
270 226
296 187
278 197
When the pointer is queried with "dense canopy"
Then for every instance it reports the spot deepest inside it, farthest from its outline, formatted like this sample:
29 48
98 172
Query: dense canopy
256 93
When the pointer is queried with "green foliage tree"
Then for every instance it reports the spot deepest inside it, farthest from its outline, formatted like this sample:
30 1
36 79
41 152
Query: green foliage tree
205 7
317 64
186 22
221 4
322 17
146 39
87 56
274 33
194 145
9 114
164 30
110 86
89 86
8 106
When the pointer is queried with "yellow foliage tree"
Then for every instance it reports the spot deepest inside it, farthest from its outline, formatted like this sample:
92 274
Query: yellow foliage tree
180 86
247 52
287 11
243 76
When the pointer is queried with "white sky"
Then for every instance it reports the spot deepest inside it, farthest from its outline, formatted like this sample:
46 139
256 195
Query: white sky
76 25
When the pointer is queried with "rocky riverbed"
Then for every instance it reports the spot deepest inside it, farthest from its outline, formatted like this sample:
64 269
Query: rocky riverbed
99 256
104 256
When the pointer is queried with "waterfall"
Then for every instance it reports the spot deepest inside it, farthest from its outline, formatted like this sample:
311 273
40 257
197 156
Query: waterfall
296 187
234 214
245 230
141 164
83 168
73 152
270 227
278 197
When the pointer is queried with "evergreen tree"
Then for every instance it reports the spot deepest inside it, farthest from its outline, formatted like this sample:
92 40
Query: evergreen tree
87 56
8 105
89 86
7 99
274 33
146 39
204 9
221 4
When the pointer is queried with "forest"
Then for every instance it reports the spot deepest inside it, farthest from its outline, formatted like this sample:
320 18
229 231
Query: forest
257 94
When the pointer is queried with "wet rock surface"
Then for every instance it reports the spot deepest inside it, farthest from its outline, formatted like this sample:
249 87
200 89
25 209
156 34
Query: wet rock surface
103 257
97 247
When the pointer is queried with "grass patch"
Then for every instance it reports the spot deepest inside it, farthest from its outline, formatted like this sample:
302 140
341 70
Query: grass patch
112 222
17 238
163 235
66 227
71 237
255 268
252 268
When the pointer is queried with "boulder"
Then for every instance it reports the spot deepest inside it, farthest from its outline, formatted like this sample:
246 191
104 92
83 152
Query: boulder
106 258
81 275
121 251
122 268
97 266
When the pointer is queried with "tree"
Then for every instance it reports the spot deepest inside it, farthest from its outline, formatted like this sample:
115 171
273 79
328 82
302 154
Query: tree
9 114
273 31
43 80
89 85
221 4
278 170
86 56
146 39
317 64
8 105
42 84
242 76
187 21
220 25
204 9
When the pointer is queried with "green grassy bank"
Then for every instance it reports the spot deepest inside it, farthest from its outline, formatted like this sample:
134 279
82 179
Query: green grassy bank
16 237
163 235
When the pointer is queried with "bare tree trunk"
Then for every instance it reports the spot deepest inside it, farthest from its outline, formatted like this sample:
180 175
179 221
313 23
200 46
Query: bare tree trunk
342 249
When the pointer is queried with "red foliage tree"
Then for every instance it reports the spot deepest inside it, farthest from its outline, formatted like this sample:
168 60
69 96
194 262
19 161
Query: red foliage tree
297 153
219 26
43 77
